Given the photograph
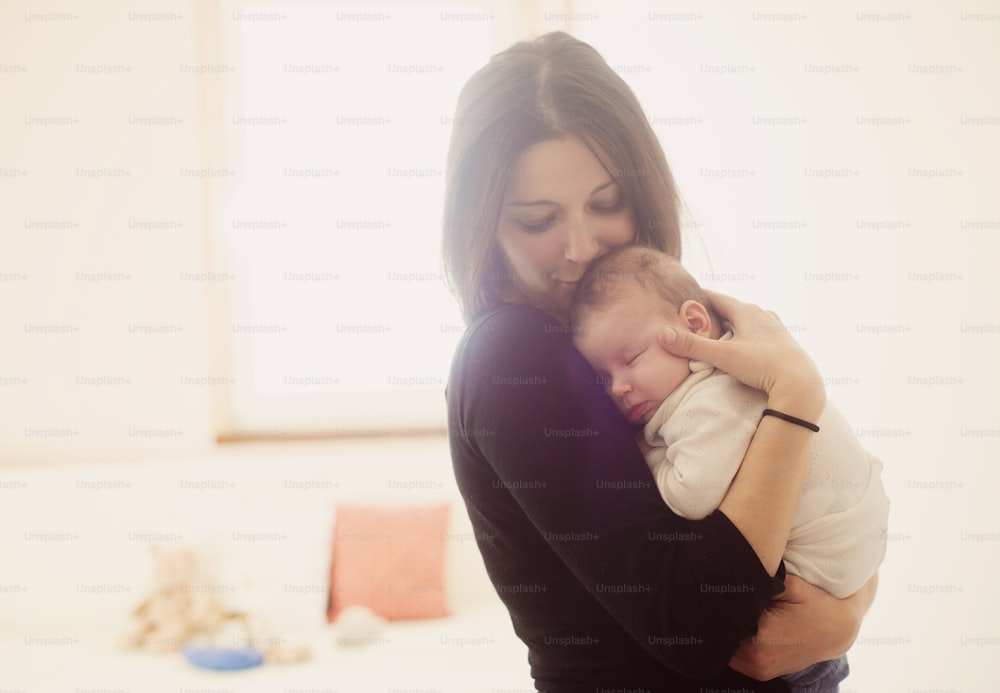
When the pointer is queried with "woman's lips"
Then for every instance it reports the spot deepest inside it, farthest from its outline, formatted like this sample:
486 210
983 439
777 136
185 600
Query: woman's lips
635 413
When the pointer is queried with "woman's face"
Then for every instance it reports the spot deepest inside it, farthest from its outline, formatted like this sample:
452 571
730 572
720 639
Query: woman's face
561 211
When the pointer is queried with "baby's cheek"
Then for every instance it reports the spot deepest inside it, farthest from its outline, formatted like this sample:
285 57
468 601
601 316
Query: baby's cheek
673 372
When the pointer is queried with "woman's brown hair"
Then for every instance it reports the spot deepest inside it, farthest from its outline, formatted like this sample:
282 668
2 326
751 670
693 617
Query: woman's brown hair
550 88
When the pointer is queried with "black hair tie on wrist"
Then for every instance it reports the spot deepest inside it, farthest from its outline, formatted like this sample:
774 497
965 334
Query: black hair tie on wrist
790 419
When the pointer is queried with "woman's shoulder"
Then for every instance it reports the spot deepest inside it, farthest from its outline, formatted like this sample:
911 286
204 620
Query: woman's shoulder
514 314
517 341
513 326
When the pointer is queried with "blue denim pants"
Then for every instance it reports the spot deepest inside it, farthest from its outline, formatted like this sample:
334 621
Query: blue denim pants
822 677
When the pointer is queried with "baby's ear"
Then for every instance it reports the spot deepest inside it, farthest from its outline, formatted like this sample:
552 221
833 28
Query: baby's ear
696 317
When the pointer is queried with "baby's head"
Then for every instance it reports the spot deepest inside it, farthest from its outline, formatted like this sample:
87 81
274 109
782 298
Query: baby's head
622 303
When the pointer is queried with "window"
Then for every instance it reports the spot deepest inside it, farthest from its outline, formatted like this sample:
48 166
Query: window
335 121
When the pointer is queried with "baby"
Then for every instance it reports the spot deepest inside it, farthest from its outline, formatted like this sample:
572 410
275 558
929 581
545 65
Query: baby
698 422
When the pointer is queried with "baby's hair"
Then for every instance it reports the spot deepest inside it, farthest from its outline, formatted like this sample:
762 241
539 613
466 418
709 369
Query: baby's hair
610 277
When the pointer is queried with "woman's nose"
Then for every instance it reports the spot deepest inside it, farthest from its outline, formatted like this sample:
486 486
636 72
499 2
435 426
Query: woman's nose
581 244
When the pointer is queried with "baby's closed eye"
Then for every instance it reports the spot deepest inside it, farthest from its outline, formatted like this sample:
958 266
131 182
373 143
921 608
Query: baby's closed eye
635 356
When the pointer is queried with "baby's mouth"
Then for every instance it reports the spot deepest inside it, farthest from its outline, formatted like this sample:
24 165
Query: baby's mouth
634 413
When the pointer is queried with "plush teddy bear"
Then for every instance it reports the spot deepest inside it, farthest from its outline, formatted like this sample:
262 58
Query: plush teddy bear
182 608
179 607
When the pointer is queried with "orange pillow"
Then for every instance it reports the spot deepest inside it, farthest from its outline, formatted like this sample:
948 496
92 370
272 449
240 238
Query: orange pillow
390 559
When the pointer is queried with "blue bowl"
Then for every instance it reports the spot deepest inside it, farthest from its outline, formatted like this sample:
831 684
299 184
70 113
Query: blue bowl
223 658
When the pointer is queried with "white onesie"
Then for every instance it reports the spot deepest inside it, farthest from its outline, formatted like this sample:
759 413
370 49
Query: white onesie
699 436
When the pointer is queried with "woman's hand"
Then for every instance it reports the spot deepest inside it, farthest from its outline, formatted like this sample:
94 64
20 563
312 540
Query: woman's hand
802 626
761 354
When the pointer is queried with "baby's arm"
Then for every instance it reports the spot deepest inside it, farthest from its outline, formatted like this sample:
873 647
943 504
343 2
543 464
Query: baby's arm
706 439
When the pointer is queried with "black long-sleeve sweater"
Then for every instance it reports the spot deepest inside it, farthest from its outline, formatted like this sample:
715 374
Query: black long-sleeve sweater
608 588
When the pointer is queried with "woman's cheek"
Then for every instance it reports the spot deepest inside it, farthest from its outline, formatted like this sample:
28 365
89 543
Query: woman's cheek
618 234
626 229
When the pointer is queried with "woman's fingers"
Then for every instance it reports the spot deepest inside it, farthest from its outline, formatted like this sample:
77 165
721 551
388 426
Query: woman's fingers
733 310
801 626
761 354
688 345
722 302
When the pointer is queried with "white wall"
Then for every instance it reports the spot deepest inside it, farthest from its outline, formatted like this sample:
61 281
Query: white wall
91 264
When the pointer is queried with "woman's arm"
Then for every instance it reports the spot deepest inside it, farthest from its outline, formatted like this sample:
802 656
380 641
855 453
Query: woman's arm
802 626
805 624
763 355
774 468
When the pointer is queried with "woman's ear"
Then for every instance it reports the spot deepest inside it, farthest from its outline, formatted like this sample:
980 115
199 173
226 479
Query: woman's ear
696 317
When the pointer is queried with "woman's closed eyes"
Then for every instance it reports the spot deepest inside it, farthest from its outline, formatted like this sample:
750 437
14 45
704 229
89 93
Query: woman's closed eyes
604 207
610 208
537 226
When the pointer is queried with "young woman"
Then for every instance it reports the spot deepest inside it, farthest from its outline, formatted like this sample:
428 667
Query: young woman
553 163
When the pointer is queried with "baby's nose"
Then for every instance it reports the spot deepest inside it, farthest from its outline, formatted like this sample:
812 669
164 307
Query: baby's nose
620 387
